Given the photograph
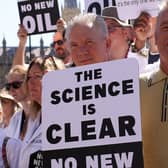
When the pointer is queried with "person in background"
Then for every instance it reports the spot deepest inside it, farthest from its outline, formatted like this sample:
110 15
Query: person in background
32 141
144 43
9 107
122 36
59 43
17 88
154 101
87 39
120 33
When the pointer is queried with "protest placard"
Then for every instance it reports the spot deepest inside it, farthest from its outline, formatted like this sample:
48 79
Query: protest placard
39 16
127 9
91 116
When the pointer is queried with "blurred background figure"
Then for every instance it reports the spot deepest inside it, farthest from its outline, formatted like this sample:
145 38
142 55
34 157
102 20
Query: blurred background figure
33 140
59 43
17 88
120 33
9 107
144 42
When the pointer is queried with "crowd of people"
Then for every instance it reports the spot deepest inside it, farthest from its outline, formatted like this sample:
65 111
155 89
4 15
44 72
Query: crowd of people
89 39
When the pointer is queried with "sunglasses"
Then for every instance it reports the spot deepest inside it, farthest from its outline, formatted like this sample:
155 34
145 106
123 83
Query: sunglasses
14 85
59 42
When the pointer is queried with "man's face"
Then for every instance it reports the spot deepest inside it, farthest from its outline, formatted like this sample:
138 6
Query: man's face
118 35
59 45
162 38
87 45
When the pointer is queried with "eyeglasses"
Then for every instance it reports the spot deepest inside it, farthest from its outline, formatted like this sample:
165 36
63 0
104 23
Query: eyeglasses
14 85
59 42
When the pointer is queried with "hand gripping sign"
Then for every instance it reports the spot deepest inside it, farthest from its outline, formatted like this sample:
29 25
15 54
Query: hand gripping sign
91 116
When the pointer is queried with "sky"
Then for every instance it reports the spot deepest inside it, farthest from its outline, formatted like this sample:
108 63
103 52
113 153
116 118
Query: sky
9 17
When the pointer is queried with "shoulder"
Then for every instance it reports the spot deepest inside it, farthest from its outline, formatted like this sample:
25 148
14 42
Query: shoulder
18 114
152 77
16 118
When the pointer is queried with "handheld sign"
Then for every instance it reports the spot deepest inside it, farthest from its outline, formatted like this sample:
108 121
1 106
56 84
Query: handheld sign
97 6
91 116
39 16
131 9
36 160
127 9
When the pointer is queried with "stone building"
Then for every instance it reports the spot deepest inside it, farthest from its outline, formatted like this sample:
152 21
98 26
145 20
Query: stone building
7 54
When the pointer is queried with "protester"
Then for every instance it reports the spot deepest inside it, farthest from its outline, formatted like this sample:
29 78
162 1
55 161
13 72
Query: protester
59 43
9 107
87 39
119 33
16 87
122 36
32 141
154 91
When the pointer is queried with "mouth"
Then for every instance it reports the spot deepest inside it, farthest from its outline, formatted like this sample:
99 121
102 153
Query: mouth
86 61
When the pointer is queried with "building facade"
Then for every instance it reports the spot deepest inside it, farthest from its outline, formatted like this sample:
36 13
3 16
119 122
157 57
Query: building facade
7 54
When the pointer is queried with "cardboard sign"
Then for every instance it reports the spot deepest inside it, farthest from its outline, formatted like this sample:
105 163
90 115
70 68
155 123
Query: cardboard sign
97 6
39 16
127 9
91 116
131 9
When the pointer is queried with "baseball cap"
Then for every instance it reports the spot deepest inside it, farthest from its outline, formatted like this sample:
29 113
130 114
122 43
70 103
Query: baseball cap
111 13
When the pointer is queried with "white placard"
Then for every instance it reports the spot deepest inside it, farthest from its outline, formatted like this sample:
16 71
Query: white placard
127 9
131 9
92 109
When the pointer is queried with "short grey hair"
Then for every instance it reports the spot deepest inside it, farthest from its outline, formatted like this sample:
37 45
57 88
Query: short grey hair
88 19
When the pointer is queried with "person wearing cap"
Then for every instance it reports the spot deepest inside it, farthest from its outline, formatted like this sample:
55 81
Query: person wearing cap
119 32
154 101
122 35
9 107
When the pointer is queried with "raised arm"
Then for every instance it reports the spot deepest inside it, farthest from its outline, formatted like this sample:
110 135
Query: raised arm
19 58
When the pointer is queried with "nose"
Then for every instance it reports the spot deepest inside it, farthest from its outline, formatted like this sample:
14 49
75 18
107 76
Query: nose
32 81
83 50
